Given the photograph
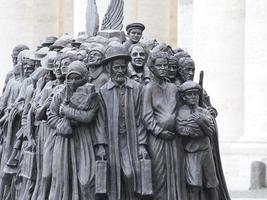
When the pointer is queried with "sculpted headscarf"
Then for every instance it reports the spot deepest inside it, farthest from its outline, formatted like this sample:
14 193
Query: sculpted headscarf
84 96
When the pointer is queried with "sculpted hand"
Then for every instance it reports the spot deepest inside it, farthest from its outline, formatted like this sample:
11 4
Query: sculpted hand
198 118
212 111
101 153
64 128
135 77
147 80
167 135
62 109
31 144
142 152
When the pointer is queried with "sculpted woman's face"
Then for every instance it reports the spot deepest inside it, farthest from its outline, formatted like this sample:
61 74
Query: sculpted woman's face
64 65
74 81
160 67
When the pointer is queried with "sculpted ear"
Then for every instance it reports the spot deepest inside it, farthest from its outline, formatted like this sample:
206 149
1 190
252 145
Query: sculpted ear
108 67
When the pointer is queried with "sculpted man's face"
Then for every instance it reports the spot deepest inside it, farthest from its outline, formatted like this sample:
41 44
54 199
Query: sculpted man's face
160 67
64 65
187 72
118 70
57 69
191 97
172 71
28 68
135 35
138 55
95 58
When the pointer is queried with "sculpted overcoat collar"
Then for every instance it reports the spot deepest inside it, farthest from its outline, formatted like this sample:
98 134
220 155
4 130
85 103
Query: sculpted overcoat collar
111 84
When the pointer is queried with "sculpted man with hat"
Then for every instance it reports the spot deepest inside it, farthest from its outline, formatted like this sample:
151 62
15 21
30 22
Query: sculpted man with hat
134 33
119 120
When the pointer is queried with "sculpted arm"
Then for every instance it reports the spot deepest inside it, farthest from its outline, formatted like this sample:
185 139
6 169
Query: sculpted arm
148 114
55 120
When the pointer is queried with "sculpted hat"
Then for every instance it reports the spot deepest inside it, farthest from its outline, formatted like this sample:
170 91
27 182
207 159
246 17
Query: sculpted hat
173 60
77 67
100 48
131 26
40 54
49 41
48 61
17 49
189 85
80 39
60 43
116 52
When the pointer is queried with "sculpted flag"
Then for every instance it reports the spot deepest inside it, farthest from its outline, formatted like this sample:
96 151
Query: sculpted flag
114 16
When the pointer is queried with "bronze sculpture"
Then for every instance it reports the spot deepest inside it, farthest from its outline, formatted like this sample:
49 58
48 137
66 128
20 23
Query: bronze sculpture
99 117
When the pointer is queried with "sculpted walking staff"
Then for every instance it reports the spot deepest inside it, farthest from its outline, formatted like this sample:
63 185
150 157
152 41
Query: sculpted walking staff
120 117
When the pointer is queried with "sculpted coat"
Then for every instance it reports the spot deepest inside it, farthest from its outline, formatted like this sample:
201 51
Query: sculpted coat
108 126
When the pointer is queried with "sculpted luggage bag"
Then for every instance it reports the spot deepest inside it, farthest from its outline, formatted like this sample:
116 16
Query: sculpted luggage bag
146 178
28 169
101 178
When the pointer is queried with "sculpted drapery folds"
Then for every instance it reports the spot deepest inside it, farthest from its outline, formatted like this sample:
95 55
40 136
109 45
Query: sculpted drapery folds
165 146
72 111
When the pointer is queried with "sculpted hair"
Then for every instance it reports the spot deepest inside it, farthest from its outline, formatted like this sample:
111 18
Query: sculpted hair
155 55
185 61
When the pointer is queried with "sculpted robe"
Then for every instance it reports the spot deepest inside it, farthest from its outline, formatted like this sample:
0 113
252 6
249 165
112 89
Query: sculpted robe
122 145
167 156
73 155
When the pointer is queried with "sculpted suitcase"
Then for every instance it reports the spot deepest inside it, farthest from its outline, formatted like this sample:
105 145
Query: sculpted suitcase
101 179
146 178
28 168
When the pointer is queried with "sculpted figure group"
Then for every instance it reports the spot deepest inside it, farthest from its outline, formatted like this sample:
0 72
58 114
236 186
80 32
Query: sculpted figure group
107 117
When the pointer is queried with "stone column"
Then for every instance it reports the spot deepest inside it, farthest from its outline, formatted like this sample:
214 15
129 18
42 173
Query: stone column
160 18
256 72
185 24
218 49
